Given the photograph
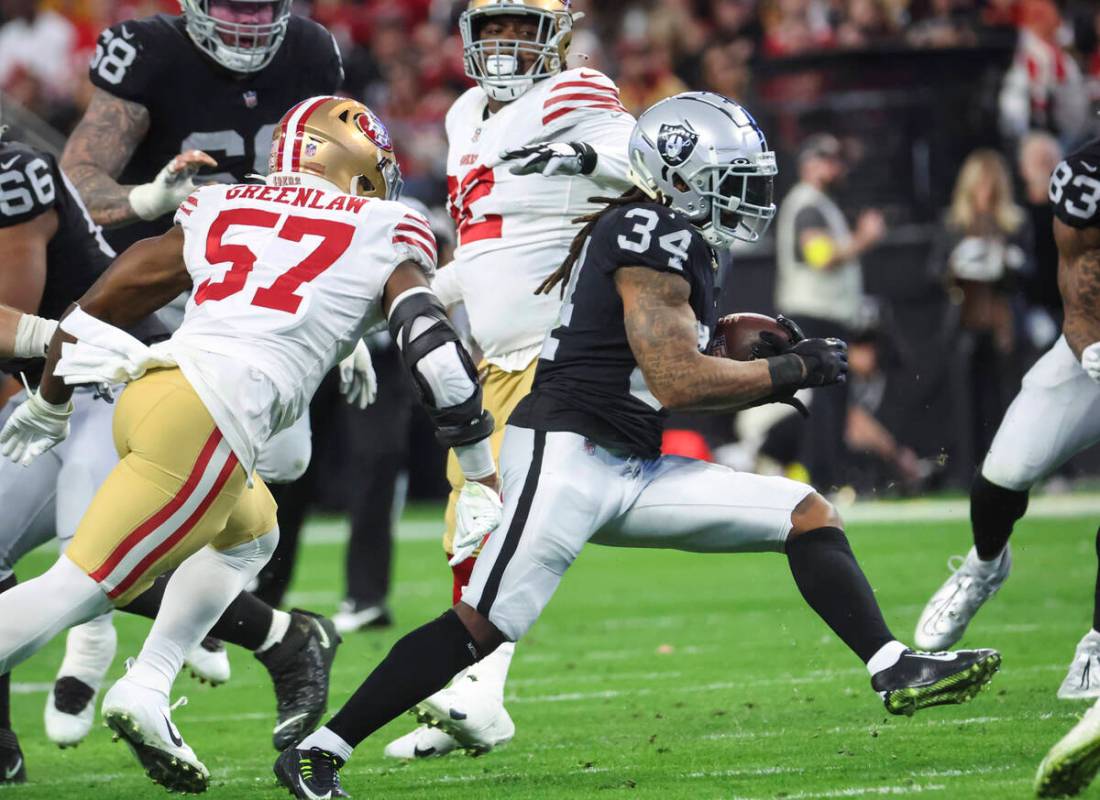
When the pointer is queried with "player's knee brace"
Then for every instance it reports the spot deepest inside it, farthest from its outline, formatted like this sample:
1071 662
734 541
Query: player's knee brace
442 371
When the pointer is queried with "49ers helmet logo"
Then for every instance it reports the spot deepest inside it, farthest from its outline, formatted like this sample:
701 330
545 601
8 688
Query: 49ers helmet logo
374 130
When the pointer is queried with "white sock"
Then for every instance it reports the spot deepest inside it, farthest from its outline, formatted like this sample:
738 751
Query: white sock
885 657
197 594
280 624
491 672
328 741
34 612
89 650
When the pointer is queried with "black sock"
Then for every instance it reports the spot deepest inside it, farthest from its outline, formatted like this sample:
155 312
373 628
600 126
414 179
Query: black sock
993 512
1096 599
5 680
831 581
419 665
246 622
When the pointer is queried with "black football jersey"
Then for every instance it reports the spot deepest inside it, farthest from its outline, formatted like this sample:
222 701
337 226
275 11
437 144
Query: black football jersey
196 104
587 380
1075 187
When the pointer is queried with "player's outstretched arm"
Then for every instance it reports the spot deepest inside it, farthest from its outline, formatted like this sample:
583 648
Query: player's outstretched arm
148 275
661 329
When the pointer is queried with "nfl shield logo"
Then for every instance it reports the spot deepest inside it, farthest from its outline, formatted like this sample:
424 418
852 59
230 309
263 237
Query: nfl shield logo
250 99
311 149
676 143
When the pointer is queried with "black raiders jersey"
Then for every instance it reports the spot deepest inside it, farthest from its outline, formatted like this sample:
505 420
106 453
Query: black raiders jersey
32 184
587 380
194 103
1075 187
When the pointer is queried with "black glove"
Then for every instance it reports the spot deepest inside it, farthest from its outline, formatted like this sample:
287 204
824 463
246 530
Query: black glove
552 158
811 362
769 344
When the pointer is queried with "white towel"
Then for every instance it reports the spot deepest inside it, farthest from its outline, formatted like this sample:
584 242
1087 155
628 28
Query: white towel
106 354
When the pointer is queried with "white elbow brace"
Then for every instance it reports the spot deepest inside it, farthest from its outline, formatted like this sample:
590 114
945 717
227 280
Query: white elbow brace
1090 361
443 373
32 336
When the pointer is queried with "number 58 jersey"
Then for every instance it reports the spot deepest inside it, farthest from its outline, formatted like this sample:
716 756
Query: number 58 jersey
285 281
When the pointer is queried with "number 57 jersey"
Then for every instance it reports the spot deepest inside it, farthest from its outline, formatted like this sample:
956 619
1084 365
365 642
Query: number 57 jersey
285 281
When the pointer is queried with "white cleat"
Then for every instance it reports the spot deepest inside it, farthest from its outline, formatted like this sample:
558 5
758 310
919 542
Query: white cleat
944 619
1083 679
70 711
352 618
1071 764
142 718
424 742
474 717
208 662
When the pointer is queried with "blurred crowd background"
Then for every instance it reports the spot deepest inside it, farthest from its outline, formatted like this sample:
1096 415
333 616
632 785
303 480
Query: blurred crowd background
945 118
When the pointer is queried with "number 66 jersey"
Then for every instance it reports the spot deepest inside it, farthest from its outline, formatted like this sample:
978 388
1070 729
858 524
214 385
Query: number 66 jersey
285 281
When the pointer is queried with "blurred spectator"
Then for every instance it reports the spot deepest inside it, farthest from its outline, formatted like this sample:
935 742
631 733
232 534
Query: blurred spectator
946 24
820 281
867 22
795 27
645 75
725 70
1044 88
981 252
37 55
1039 154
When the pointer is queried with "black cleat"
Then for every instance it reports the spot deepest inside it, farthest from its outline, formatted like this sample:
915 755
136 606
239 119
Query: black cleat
919 680
310 774
300 666
12 768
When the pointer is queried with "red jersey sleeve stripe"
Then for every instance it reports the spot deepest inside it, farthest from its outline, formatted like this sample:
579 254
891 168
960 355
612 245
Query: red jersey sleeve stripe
415 243
422 224
603 87
561 112
605 97
427 241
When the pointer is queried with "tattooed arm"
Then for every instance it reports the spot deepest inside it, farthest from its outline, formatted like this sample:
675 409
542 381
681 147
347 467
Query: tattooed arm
1079 283
97 152
660 326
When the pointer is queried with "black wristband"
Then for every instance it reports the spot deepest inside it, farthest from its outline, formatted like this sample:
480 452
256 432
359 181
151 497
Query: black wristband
588 157
787 372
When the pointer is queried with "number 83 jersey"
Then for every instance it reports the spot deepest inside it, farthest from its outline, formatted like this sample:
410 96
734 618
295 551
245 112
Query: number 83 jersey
1075 187
588 381
284 282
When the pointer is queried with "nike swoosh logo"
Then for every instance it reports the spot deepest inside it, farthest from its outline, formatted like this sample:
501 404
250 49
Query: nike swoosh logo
310 795
177 740
288 722
9 163
1089 166
584 74
939 656
325 643
11 773
126 34
428 751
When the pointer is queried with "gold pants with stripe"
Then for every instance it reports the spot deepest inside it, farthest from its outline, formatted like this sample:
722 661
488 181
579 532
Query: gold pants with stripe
502 392
177 488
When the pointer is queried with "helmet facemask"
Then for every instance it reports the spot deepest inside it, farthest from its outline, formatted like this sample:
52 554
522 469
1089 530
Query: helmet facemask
741 199
238 46
496 64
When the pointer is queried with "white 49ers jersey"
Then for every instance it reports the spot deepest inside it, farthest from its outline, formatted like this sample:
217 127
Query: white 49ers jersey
515 230
285 281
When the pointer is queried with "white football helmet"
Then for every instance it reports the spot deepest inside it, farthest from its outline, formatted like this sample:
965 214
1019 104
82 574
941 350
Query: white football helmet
495 63
707 158
237 46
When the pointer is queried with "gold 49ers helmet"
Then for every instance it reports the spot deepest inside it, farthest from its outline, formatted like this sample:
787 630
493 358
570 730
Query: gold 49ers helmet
338 140
497 64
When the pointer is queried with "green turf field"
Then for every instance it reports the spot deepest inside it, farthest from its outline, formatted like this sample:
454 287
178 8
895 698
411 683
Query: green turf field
660 675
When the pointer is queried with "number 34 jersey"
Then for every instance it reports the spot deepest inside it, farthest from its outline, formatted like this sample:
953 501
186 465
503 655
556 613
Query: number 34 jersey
588 380
1075 187
285 281
515 230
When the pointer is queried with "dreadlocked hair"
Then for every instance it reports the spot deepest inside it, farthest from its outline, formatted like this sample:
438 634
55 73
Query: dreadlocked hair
561 275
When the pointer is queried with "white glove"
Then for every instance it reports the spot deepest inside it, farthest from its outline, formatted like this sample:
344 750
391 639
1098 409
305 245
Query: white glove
1090 361
552 158
478 513
171 187
33 428
358 383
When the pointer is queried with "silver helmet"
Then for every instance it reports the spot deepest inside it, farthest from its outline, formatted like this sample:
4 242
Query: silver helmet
238 46
706 157
495 63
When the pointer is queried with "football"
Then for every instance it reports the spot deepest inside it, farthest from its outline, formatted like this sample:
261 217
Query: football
735 335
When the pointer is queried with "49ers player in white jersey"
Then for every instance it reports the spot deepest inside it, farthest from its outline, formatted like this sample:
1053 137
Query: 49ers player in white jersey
528 147
285 279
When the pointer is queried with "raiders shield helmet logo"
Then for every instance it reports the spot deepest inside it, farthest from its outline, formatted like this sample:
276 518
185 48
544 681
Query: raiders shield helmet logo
676 143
